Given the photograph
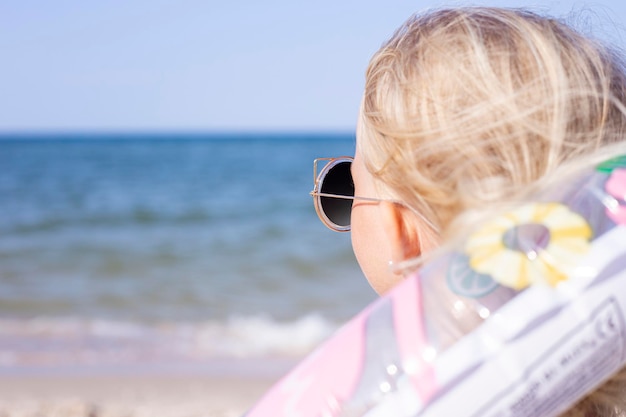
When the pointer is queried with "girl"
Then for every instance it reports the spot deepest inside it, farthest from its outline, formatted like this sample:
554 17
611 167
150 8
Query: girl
465 112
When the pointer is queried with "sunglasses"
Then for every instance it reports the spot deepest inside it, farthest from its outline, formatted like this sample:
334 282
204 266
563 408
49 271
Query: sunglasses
333 192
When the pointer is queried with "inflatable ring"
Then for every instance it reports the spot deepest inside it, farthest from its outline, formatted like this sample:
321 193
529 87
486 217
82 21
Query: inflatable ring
537 322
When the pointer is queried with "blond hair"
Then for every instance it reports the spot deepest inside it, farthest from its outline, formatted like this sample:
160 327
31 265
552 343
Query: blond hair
469 108
464 108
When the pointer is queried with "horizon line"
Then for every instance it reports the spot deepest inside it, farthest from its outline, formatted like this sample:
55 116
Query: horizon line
161 133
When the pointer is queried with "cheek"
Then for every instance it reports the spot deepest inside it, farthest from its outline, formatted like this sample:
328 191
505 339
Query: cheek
371 247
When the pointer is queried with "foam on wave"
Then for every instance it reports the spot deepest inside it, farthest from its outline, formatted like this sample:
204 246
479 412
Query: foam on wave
72 341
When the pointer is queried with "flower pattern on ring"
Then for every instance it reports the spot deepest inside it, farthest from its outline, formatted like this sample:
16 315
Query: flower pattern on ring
536 243
465 281
608 166
616 187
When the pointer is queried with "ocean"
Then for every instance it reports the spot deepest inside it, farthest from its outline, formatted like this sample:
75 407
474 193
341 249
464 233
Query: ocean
164 251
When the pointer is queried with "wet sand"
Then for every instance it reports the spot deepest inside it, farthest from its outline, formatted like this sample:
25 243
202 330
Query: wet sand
128 396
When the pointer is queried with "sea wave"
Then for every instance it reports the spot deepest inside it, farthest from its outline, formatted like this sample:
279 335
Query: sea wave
45 342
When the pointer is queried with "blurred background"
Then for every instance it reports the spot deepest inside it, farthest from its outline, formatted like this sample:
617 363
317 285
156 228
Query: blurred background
156 158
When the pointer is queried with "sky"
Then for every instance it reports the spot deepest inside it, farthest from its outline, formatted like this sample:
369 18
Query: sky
192 65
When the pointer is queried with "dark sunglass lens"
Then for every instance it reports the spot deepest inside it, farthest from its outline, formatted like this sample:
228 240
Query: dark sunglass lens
338 181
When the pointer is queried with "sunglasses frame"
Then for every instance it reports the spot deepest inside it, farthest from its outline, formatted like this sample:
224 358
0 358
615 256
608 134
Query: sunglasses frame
318 180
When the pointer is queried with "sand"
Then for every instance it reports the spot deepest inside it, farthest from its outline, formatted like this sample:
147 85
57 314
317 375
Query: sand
128 396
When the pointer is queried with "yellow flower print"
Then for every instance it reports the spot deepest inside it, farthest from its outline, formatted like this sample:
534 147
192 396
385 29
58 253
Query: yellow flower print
537 243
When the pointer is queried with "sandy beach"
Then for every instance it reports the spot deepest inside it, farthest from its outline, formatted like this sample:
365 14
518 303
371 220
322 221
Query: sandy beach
128 396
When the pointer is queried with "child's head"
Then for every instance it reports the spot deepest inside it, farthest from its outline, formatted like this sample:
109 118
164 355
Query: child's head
464 109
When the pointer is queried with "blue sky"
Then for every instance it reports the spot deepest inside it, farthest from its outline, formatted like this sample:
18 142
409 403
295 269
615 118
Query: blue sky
195 65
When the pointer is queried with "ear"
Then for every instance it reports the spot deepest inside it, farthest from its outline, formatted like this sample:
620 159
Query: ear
403 231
